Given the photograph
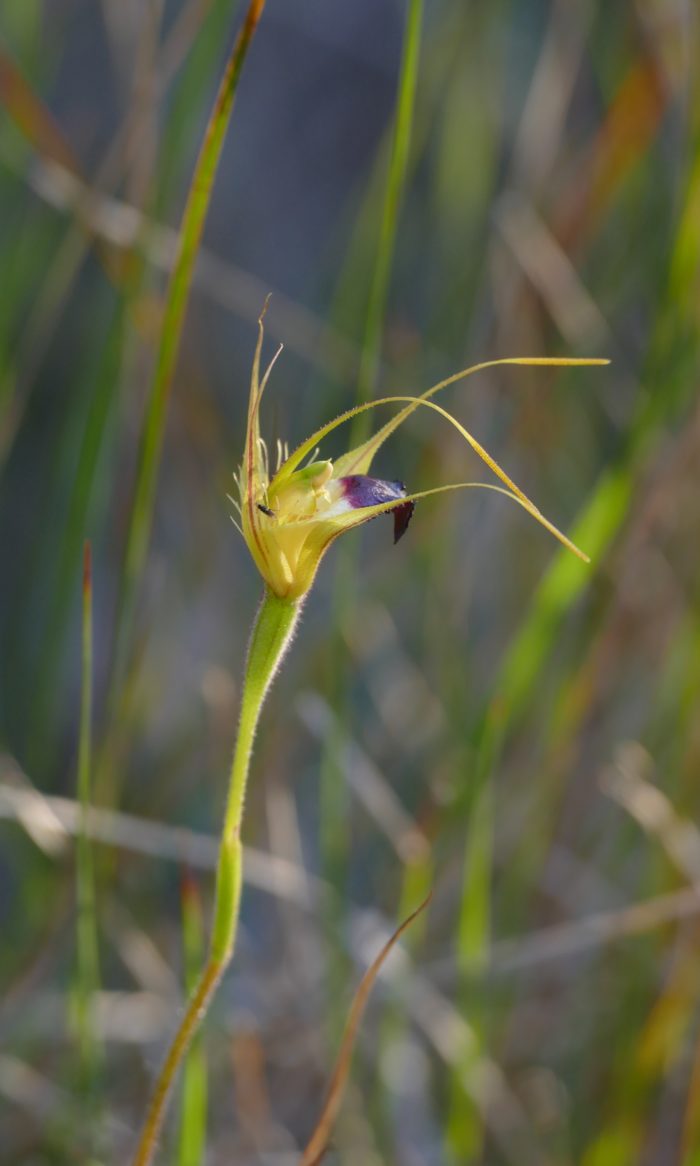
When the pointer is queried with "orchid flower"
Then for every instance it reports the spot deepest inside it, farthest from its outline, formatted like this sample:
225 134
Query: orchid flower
289 519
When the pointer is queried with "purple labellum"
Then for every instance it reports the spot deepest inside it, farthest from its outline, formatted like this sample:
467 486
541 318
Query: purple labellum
360 491
402 516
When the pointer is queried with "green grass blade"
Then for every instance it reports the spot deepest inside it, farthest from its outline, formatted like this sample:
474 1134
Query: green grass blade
464 1131
333 795
177 298
193 1116
564 582
393 198
88 972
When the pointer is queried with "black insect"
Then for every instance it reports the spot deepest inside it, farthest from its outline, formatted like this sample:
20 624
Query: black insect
266 510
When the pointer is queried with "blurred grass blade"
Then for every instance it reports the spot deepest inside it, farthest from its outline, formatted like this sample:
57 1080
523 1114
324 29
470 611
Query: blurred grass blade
393 196
88 957
464 1133
630 126
31 116
193 1119
561 586
333 795
174 312
35 122
318 1144
602 518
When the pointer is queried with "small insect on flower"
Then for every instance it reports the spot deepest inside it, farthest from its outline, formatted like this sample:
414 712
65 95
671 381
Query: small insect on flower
290 518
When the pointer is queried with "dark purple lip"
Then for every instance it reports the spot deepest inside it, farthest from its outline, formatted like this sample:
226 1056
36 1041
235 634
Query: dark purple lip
402 516
361 491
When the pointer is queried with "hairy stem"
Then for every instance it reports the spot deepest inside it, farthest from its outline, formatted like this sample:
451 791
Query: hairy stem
272 632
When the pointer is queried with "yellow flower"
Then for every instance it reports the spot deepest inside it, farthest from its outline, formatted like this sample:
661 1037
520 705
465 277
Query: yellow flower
289 519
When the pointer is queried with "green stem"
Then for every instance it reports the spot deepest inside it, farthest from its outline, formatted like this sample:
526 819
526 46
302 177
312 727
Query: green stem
272 632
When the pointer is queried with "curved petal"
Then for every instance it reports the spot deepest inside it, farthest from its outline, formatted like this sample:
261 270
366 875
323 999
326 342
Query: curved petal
359 459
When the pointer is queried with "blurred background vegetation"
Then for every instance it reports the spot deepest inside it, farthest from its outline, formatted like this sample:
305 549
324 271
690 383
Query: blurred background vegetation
472 710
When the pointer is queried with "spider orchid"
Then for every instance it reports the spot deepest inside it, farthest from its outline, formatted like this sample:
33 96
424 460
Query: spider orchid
289 519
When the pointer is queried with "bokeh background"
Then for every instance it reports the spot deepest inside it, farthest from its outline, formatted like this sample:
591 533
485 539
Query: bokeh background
472 710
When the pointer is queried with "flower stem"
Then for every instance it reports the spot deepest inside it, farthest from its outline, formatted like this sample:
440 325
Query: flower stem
272 632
